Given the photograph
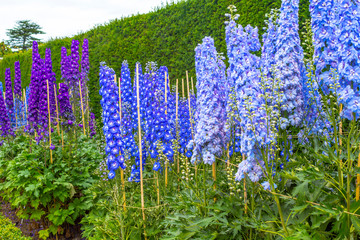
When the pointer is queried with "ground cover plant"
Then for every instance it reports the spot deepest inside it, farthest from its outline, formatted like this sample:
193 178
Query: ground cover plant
265 148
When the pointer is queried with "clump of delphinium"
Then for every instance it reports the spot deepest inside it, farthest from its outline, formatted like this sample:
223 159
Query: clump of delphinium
210 133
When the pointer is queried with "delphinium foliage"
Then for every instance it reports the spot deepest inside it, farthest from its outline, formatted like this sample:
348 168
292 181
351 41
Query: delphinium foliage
290 67
210 134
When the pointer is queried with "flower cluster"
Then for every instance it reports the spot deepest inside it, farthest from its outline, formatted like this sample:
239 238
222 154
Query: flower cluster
290 67
210 134
17 80
324 21
33 105
4 118
349 57
92 125
111 120
65 110
9 95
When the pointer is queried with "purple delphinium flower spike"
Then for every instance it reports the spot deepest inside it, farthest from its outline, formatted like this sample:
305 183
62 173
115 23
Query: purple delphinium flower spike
290 67
210 130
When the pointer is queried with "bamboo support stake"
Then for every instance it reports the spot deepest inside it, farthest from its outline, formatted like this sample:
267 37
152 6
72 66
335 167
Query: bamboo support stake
82 108
177 120
245 194
183 88
16 119
140 147
358 181
166 162
57 110
25 101
190 114
192 85
48 103
121 170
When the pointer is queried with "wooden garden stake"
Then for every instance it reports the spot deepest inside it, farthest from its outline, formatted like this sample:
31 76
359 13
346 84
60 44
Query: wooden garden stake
183 88
190 114
57 110
25 104
245 194
82 108
140 147
166 168
177 120
121 170
192 85
48 103
358 182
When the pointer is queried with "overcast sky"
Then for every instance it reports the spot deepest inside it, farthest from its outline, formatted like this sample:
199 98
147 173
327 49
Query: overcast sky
62 18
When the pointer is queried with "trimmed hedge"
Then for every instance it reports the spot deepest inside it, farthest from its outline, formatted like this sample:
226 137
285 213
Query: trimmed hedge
168 35
9 231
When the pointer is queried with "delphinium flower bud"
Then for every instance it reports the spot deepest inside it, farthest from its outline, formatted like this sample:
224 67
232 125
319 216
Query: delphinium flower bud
290 67
210 130
9 95
111 119
4 118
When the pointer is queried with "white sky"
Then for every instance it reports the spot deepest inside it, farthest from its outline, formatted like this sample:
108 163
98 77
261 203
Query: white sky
65 18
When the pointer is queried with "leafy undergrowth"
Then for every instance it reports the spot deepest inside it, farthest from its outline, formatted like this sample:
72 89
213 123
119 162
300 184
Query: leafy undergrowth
9 231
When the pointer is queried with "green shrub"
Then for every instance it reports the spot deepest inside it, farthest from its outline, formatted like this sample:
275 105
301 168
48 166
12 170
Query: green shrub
9 231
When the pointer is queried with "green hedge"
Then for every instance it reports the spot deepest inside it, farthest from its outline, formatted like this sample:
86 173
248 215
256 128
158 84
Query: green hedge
9 231
168 35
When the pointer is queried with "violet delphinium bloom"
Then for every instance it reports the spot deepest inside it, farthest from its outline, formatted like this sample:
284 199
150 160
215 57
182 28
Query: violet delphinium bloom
65 110
85 65
9 95
35 86
4 119
111 119
210 130
65 61
50 77
290 67
74 64
92 125
17 80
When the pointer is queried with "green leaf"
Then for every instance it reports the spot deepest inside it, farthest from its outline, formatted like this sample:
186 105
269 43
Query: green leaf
356 222
36 214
